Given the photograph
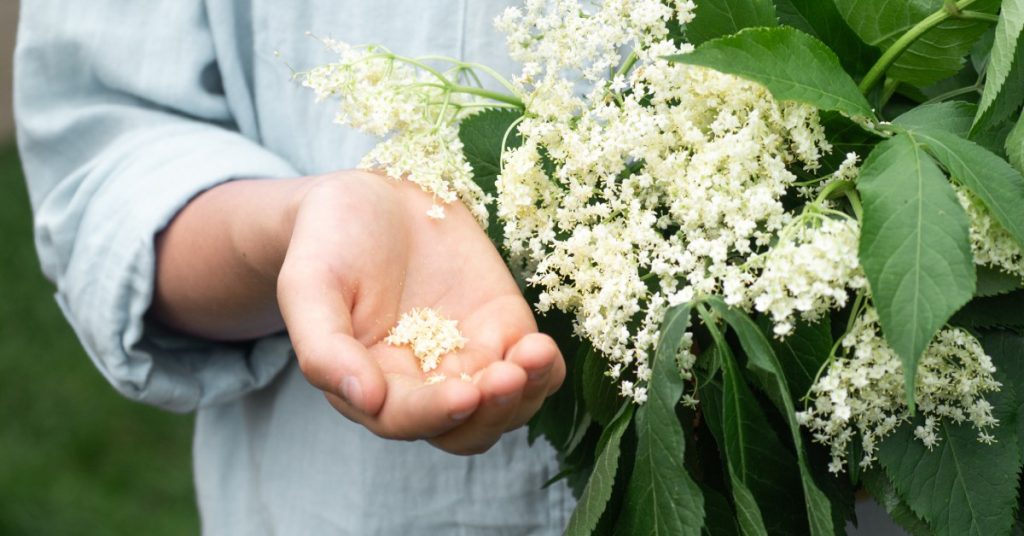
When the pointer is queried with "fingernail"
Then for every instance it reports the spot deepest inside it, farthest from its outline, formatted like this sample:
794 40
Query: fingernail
351 390
462 415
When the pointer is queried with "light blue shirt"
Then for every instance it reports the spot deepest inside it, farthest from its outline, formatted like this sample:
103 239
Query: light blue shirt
126 110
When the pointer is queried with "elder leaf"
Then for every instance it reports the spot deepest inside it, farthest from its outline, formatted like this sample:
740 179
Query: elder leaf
715 18
599 391
914 247
822 20
953 116
598 490
1015 145
961 486
793 66
937 54
762 361
661 498
992 179
1004 78
481 135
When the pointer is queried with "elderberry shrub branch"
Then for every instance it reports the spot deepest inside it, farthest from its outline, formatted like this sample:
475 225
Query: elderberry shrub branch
655 156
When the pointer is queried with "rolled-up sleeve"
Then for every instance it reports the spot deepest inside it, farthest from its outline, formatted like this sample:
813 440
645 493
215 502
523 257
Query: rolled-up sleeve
122 120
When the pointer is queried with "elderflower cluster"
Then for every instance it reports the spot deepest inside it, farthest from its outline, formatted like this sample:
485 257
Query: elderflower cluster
429 335
808 272
991 244
648 190
862 391
384 95
551 38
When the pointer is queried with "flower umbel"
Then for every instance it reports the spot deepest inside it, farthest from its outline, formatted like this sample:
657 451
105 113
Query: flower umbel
862 392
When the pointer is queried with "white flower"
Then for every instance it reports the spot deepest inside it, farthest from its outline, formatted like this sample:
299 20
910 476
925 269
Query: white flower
652 200
381 94
429 335
991 244
807 273
862 391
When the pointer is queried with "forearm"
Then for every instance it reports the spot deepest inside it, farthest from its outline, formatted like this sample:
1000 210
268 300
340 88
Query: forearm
217 262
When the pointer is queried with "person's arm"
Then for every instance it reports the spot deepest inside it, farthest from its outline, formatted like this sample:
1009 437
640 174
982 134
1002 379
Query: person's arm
122 120
348 253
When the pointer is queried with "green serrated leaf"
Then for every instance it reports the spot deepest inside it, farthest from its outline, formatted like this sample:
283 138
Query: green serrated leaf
992 282
914 247
822 20
882 490
599 392
802 352
598 490
995 182
747 512
1015 145
1004 79
793 66
960 487
715 18
762 361
721 519
761 470
954 116
561 416
662 499
1007 352
982 50
935 55
1003 311
481 135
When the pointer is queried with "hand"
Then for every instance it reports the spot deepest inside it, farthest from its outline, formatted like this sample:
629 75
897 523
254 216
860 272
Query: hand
362 252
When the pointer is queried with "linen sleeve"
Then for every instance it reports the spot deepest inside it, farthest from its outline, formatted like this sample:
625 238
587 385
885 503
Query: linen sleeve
122 119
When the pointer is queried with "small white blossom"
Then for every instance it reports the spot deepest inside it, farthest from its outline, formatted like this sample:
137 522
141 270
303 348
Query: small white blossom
991 244
380 94
862 391
428 334
808 272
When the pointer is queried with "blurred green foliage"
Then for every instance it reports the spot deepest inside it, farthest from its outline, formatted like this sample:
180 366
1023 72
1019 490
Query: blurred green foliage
75 457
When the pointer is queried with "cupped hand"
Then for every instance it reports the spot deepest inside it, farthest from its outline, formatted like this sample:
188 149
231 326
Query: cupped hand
362 253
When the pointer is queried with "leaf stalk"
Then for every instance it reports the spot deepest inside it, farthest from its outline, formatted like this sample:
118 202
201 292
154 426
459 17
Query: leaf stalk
891 54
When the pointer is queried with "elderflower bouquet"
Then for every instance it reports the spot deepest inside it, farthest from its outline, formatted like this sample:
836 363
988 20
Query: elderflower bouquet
781 243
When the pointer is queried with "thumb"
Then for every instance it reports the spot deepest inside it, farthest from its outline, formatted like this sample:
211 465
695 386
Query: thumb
316 311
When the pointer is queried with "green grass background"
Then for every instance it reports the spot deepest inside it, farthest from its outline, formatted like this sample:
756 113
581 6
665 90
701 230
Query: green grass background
75 457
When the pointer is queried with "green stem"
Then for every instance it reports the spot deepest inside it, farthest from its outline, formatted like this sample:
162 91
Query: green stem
903 43
834 187
854 199
953 93
977 15
626 65
888 89
487 94
459 88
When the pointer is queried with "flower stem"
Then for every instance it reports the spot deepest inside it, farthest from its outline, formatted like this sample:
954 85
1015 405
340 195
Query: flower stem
626 65
831 188
487 94
903 43
978 15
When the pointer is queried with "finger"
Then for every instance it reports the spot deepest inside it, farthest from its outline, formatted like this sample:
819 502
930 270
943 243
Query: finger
540 358
315 309
494 328
414 410
501 385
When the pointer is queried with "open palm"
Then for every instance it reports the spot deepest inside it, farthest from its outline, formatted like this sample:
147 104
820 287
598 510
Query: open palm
362 253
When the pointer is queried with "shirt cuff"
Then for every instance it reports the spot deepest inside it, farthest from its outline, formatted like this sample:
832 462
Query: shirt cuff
109 282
